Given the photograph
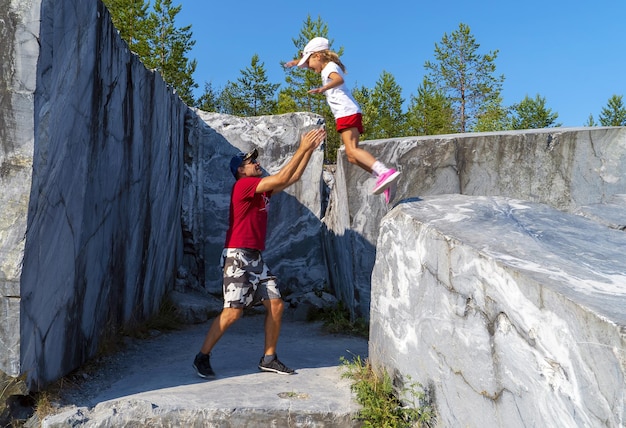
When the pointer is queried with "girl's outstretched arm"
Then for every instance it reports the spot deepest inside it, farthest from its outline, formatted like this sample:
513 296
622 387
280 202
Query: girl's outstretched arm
292 63
335 80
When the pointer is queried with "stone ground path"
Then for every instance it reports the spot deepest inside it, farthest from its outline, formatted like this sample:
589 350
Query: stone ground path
152 382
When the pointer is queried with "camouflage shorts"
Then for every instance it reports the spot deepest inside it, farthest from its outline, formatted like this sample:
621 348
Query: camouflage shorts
247 279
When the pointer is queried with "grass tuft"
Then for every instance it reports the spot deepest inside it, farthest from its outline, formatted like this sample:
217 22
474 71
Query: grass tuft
338 320
381 407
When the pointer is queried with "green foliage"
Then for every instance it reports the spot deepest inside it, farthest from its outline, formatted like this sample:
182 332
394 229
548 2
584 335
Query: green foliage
333 139
337 320
298 81
384 107
294 94
460 92
464 76
430 113
533 114
493 117
362 96
590 122
381 405
209 100
169 46
229 101
130 18
614 114
251 94
157 41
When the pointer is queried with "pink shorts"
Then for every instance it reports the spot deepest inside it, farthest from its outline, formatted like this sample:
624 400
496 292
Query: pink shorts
347 122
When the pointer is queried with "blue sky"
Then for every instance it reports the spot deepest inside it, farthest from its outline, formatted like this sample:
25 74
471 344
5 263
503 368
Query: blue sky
572 53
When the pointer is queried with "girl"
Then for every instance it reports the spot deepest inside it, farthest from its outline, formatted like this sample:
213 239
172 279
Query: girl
318 57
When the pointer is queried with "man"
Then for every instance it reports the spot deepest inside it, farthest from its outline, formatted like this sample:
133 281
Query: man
247 279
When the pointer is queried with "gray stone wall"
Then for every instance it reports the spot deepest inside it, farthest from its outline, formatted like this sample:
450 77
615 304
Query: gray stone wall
19 29
294 247
567 169
103 236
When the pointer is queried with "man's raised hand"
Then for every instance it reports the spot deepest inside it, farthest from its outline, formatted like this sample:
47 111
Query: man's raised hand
312 139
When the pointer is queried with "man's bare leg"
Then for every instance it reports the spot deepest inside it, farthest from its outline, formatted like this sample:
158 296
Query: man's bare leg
220 324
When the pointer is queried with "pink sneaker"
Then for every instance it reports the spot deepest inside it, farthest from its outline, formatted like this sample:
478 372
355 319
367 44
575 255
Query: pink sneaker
390 193
385 180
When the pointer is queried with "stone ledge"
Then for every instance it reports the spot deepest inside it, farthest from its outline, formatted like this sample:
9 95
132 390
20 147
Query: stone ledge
611 213
505 309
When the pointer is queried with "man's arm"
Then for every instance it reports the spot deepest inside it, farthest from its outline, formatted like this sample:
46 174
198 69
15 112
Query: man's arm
293 170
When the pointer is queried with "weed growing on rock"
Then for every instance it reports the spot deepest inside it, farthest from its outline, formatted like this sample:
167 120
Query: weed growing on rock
381 407
338 320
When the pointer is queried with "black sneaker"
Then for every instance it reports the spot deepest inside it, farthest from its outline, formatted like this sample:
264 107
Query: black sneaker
275 366
202 364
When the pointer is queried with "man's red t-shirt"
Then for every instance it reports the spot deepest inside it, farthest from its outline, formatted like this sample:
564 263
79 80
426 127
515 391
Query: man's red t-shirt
247 224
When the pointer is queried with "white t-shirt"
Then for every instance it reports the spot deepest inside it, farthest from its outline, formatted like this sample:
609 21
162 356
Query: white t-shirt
339 98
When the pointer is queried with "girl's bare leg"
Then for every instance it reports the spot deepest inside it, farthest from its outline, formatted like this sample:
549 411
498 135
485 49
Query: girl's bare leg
355 155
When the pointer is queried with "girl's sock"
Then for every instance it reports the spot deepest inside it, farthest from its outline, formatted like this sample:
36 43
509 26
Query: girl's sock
379 168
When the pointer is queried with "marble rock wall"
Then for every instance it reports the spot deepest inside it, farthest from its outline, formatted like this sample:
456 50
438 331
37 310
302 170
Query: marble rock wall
508 313
571 169
103 236
294 243
19 28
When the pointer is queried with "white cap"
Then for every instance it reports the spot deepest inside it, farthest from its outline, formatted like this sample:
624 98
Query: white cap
316 44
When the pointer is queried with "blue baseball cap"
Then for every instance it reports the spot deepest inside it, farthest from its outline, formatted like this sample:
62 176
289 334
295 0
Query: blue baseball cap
238 159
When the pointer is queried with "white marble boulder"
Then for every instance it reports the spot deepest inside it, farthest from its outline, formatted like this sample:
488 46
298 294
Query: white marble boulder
294 245
509 313
567 169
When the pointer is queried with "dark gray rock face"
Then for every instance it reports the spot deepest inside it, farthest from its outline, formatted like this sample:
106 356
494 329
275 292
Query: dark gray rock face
103 236
294 247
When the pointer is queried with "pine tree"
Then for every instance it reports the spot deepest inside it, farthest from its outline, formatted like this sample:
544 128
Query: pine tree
130 18
258 95
294 95
614 114
169 47
157 41
533 114
386 102
430 112
493 117
363 97
300 80
209 100
590 122
464 76
231 101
